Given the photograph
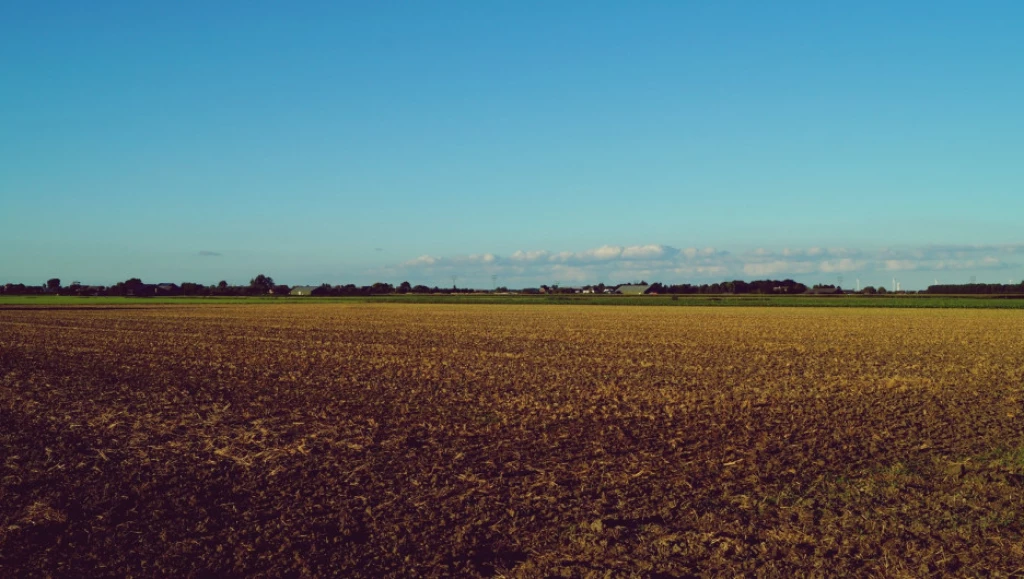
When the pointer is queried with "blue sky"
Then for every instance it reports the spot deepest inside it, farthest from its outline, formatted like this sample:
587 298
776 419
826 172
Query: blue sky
578 142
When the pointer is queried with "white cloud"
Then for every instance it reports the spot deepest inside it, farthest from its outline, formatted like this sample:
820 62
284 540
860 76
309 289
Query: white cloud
777 267
421 260
603 252
693 252
655 262
701 270
841 265
899 265
568 273
530 255
561 256
842 252
966 250
643 251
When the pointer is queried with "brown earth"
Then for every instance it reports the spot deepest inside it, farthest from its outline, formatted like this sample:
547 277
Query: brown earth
524 441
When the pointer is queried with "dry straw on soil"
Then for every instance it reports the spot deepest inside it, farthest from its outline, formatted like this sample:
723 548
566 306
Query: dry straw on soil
374 440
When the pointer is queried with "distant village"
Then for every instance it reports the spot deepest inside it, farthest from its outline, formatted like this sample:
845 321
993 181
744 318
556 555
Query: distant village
263 285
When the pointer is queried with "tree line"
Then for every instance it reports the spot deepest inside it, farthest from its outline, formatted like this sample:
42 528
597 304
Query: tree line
977 288
263 285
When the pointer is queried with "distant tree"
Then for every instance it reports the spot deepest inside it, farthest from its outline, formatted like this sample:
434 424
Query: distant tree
222 289
404 287
129 287
324 290
53 285
501 289
281 290
976 288
261 284
882 290
34 289
869 290
420 289
193 289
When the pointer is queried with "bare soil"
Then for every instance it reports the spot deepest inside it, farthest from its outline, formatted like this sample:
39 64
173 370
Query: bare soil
523 441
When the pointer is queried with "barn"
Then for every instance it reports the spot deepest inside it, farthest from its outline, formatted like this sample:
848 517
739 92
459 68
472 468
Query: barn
632 290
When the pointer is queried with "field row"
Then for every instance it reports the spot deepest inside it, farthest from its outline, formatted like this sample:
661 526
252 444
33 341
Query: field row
398 439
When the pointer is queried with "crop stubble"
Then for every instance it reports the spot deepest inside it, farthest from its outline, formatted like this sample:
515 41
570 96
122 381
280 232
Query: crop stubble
384 439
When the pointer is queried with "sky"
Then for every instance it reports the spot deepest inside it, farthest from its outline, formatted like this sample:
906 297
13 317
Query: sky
515 143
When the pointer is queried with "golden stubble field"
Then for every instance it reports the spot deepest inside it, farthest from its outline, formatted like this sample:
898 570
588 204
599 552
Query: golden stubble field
526 441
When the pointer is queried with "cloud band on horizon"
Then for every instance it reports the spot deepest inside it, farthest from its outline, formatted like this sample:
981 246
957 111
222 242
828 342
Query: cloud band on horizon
613 263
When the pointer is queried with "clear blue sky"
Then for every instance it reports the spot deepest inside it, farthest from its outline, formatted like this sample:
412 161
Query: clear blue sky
536 141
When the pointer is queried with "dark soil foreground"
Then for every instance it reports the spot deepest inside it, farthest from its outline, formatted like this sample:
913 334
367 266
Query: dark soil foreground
377 440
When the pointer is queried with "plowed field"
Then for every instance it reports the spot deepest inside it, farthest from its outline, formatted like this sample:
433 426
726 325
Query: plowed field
461 440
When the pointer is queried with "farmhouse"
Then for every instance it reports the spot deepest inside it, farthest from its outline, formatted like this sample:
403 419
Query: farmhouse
302 290
632 290
167 289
